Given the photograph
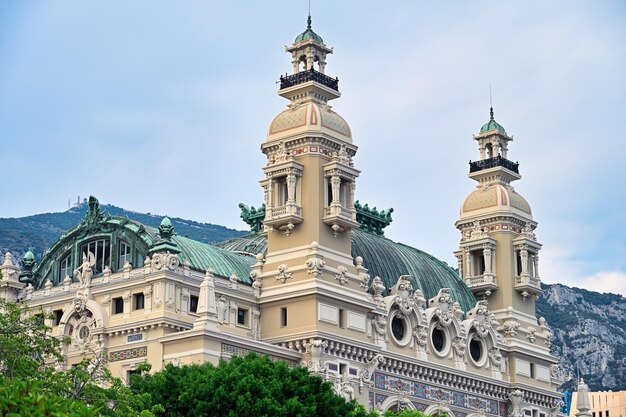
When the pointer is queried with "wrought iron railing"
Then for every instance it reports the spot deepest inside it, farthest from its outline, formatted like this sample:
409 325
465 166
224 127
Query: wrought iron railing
310 75
497 161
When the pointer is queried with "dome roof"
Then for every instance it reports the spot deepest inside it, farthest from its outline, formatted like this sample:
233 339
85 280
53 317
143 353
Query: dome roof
388 260
494 198
309 117
492 124
308 34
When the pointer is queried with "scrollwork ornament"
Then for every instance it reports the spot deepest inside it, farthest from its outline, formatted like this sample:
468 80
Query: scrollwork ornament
341 275
283 275
314 266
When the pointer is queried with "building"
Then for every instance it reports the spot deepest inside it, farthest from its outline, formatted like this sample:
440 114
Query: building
597 404
316 282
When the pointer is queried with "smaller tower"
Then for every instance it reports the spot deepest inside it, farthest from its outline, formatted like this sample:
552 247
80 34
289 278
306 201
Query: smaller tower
498 255
582 400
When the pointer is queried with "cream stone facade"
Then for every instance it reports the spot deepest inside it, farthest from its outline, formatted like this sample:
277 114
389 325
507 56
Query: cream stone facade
601 404
316 283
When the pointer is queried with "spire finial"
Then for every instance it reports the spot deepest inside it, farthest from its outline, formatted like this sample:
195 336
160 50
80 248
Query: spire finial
308 21
490 103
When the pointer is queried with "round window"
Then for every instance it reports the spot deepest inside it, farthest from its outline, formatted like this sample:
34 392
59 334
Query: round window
398 328
438 338
83 332
477 350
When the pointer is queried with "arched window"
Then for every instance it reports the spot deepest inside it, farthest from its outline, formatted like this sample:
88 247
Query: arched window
101 251
124 255
65 267
488 151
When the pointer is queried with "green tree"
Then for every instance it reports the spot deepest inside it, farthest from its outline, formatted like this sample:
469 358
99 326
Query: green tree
30 385
245 386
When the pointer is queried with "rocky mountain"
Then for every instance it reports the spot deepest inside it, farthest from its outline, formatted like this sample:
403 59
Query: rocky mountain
589 335
589 327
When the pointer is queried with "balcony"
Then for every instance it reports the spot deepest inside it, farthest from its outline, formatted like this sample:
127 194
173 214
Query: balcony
283 217
497 161
527 285
306 76
340 218
482 283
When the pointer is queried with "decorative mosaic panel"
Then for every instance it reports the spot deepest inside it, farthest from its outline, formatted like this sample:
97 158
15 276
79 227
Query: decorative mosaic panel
239 351
133 353
439 395
371 400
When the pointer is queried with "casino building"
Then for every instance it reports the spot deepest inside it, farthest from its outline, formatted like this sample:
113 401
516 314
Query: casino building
316 282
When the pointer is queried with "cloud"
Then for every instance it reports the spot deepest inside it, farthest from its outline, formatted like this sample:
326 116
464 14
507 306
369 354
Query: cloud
604 281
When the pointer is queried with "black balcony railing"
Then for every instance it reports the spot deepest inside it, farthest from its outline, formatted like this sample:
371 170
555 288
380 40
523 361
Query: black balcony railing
310 75
497 161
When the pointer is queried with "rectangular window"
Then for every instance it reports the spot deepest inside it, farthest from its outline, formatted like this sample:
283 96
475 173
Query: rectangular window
65 268
242 316
101 252
138 259
283 316
193 304
118 305
329 191
341 320
58 314
129 375
532 370
138 301
600 413
343 368
124 255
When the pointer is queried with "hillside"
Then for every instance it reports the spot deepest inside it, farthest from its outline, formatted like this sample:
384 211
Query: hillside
589 335
589 327
38 232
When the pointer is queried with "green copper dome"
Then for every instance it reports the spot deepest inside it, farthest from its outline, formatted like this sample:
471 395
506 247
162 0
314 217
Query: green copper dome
308 34
388 260
492 124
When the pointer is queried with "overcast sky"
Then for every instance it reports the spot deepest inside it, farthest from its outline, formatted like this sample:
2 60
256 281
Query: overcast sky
161 107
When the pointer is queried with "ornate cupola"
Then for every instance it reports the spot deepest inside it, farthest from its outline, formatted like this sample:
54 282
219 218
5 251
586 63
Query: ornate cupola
309 212
309 176
498 255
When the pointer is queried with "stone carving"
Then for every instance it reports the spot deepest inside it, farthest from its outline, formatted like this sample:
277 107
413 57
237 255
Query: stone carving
344 388
404 295
377 288
420 333
530 334
314 350
255 328
379 323
207 305
314 266
443 307
234 279
459 348
457 310
510 327
368 373
84 271
495 357
546 332
478 232
341 275
164 261
481 319
528 232
257 285
515 403
364 277
222 310
283 275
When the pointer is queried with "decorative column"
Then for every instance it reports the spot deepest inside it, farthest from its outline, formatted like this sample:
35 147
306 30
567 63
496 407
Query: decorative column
468 259
459 259
524 257
351 189
335 183
207 304
487 257
536 264
270 200
291 188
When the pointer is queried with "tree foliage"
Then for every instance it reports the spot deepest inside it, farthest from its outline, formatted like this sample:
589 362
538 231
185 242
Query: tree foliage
245 386
30 385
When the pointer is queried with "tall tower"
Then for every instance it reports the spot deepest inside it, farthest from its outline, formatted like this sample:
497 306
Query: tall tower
309 198
499 253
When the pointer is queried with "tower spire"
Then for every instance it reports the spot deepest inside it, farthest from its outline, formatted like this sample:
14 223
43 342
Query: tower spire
490 104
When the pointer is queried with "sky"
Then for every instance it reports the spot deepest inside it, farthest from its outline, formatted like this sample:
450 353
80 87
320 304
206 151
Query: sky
161 107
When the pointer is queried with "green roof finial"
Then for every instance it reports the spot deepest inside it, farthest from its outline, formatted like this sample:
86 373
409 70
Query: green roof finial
491 113
308 22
